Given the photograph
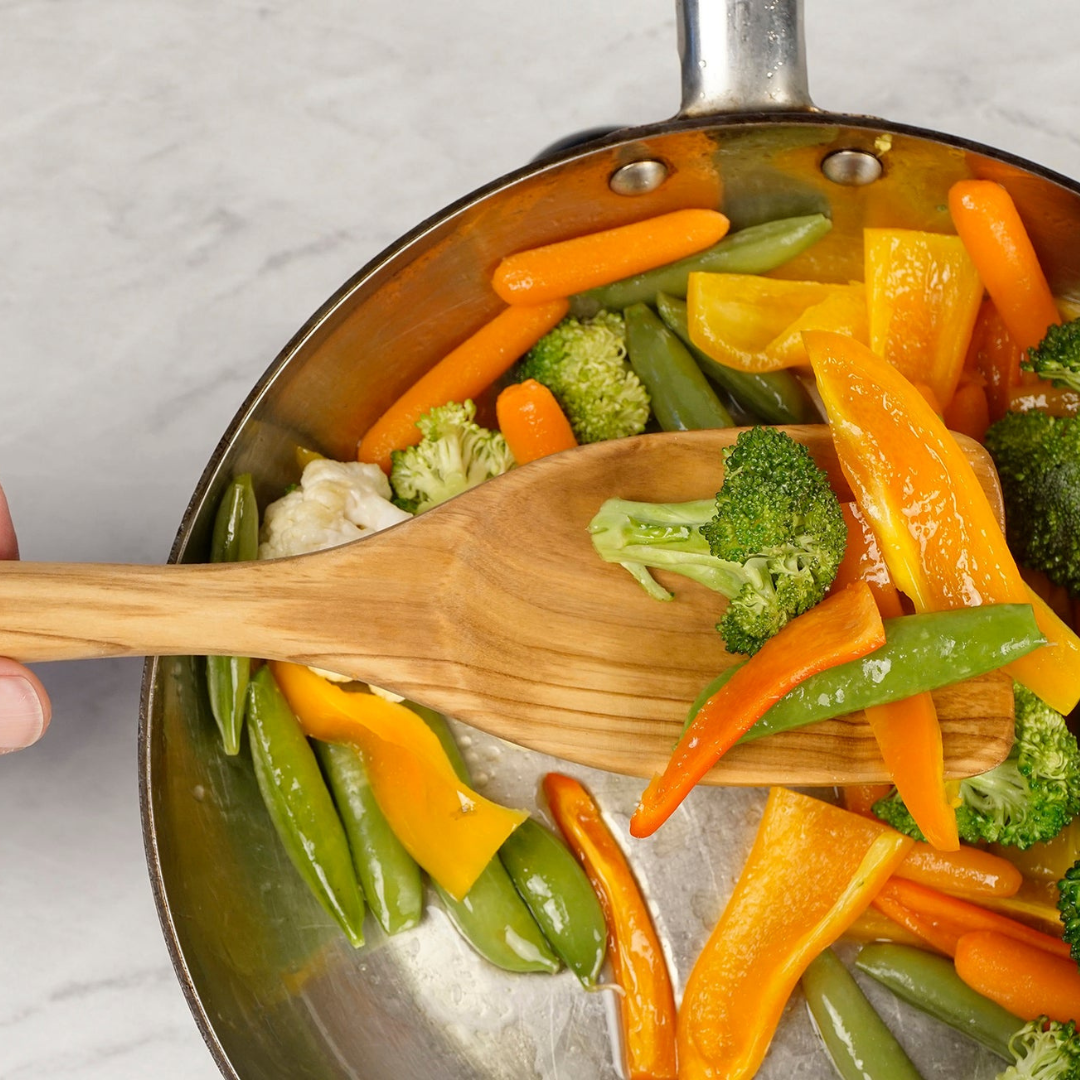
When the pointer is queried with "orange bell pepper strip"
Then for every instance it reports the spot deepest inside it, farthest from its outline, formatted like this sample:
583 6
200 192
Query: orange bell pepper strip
450 830
647 1000
907 732
860 798
1018 976
938 532
941 920
922 296
996 357
809 858
844 626
987 220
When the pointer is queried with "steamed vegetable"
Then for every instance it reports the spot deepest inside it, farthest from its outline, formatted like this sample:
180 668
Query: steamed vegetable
532 422
1057 356
771 542
454 455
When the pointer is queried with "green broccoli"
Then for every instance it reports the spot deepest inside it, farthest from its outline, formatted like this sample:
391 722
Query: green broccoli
1057 356
1030 797
454 455
1044 1050
1068 906
771 542
1038 459
583 363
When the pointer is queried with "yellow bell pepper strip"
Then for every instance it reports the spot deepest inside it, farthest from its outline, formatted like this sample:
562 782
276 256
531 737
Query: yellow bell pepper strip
986 218
755 324
826 864
843 627
922 297
938 533
646 1001
450 830
907 732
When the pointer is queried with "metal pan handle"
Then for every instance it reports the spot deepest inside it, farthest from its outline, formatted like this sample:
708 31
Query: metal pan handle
742 56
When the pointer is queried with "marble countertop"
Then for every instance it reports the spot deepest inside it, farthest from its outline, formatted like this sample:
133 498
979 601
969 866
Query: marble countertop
182 183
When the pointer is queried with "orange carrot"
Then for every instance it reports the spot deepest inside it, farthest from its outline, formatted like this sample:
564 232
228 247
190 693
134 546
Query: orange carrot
907 732
996 357
860 798
987 220
968 872
586 262
950 917
462 374
532 422
842 627
1019 977
969 410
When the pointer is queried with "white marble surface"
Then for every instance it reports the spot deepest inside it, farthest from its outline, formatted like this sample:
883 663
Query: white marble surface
181 183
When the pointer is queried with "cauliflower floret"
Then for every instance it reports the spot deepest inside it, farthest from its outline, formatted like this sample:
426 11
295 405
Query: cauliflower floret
337 501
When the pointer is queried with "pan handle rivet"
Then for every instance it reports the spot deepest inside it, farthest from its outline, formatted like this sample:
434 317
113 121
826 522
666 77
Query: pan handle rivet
638 178
852 168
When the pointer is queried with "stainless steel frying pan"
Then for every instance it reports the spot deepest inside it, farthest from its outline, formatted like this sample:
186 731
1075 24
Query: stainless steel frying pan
275 990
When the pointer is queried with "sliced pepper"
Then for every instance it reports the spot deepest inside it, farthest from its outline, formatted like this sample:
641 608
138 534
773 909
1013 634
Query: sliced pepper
922 296
843 627
827 864
647 1000
753 323
907 731
450 830
939 536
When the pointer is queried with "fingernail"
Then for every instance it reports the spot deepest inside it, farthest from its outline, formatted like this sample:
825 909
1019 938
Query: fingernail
21 716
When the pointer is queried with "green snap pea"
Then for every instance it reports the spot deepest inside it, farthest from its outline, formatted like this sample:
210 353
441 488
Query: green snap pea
680 395
492 916
856 1039
300 805
389 876
560 897
921 652
235 539
930 983
774 397
752 250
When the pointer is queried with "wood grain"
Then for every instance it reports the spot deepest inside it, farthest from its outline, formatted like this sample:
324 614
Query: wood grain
494 608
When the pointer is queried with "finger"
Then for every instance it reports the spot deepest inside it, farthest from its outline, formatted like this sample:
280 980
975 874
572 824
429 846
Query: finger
24 707
9 546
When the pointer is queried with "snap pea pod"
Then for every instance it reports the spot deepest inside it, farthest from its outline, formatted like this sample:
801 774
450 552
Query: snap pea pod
680 395
300 805
752 250
492 917
389 876
553 884
930 983
235 539
921 652
858 1042
774 397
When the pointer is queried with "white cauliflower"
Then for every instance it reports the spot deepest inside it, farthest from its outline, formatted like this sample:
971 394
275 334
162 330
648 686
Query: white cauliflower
337 501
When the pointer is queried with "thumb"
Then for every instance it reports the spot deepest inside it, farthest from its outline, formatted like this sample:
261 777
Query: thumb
24 707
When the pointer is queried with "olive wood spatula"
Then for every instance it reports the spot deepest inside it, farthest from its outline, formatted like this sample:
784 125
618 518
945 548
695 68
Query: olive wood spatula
494 608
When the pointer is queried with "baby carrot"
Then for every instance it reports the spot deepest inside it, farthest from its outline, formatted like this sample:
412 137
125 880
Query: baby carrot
987 220
586 262
532 422
968 410
462 374
969 872
1019 977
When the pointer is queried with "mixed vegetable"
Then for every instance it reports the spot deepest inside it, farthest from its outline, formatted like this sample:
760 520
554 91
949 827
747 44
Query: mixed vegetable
867 602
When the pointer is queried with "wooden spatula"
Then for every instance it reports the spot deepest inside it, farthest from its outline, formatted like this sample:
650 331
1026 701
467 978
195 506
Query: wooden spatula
495 608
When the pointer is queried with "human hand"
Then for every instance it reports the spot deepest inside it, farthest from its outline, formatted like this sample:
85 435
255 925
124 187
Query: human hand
24 705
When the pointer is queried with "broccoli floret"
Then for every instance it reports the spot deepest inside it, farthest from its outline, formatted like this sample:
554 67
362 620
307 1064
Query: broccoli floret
771 542
454 455
1057 356
1030 797
1038 459
1068 905
1044 1050
583 363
